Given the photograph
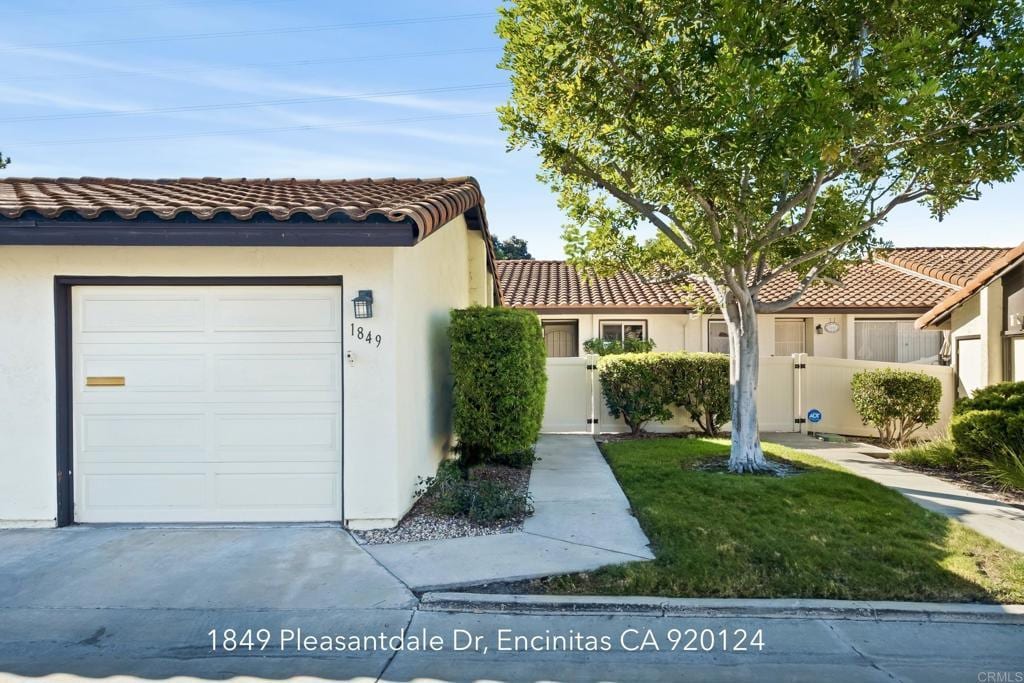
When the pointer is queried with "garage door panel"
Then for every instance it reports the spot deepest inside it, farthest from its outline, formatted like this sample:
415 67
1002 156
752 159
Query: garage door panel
127 492
156 371
230 411
283 489
276 372
157 434
298 435
141 313
272 312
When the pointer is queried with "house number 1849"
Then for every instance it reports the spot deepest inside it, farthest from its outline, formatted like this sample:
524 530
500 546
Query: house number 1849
364 335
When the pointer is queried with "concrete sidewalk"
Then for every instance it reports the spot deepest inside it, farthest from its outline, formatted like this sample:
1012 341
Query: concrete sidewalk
582 522
995 519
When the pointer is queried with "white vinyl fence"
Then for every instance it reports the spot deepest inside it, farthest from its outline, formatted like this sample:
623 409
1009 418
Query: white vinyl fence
789 388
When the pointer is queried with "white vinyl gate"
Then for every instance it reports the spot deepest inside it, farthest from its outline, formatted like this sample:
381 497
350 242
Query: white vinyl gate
788 389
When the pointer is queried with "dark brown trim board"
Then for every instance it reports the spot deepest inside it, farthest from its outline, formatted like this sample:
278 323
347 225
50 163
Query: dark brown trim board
62 285
258 232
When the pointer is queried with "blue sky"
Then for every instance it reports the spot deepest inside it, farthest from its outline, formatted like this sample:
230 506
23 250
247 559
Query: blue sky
306 88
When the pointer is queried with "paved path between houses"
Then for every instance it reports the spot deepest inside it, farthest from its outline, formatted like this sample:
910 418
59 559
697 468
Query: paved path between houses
986 515
582 522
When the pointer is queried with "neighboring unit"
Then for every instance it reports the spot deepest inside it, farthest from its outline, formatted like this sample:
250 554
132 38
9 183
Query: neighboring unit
869 317
190 351
985 320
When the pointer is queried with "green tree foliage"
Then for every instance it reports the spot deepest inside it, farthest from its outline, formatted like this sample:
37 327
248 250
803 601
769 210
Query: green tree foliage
896 402
766 142
512 248
500 380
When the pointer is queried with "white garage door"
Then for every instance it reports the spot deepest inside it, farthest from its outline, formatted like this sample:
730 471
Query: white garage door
230 408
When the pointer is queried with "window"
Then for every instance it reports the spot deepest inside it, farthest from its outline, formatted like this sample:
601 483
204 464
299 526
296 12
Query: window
790 337
895 341
718 336
621 331
561 337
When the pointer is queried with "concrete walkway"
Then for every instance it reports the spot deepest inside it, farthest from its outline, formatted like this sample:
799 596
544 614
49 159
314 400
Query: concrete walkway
993 518
582 522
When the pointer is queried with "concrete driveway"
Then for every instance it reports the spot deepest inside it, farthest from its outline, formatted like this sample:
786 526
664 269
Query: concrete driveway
106 601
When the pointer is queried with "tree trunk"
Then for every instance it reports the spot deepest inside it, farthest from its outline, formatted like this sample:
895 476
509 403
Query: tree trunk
746 454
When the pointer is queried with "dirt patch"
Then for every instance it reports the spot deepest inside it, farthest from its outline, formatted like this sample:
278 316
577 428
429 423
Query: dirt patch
422 524
780 468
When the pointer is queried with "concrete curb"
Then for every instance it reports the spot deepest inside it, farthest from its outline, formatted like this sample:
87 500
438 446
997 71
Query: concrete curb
732 608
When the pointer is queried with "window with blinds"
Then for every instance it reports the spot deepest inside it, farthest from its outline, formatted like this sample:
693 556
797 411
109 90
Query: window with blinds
896 341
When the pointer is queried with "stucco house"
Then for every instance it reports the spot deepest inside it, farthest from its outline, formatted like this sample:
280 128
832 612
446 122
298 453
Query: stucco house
207 350
870 317
985 321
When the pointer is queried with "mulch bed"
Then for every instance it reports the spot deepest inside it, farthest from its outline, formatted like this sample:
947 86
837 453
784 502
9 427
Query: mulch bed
422 524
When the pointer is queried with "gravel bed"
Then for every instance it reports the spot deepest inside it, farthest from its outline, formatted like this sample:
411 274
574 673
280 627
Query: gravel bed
421 524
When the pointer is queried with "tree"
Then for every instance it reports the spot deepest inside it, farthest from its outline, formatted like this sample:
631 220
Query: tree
766 142
512 248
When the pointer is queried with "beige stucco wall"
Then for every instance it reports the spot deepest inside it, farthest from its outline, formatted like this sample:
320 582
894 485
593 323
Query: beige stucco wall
396 396
981 315
447 270
689 332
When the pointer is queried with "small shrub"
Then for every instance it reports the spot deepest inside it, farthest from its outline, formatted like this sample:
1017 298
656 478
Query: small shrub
938 454
978 434
1008 396
896 402
604 347
500 380
454 492
699 383
634 387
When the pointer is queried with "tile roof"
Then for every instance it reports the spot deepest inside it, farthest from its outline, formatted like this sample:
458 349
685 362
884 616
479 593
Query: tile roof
428 203
993 270
866 286
955 265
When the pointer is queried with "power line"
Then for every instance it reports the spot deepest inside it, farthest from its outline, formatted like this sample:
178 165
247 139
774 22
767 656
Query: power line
251 104
247 131
254 32
252 65
131 7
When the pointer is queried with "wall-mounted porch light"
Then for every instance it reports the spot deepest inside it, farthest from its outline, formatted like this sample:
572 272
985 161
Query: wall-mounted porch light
362 305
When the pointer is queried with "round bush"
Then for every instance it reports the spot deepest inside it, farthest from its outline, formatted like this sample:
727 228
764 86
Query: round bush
500 380
1008 396
981 434
896 402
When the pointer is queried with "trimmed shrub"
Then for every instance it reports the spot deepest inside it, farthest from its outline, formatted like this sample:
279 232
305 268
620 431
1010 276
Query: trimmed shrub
983 434
699 384
1008 396
635 387
603 347
896 402
641 387
498 366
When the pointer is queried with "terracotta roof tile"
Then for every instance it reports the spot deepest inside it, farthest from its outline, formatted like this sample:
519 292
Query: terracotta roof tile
556 284
989 273
955 265
428 203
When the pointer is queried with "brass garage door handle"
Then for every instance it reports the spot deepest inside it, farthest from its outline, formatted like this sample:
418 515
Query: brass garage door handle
104 381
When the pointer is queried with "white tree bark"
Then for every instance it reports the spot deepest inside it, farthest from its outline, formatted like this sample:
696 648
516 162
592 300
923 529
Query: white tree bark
746 454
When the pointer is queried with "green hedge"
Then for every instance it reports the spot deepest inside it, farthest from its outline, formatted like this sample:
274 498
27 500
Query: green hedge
641 387
896 402
1006 396
498 366
980 434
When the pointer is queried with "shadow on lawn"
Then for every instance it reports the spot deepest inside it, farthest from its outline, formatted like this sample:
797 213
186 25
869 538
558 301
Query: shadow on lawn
826 533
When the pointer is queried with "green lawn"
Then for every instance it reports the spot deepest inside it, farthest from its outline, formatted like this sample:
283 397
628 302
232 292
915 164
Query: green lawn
822 533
